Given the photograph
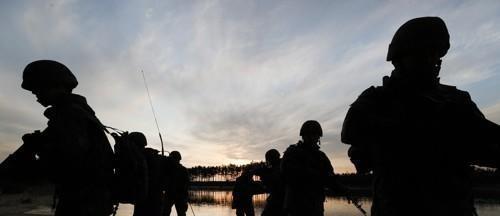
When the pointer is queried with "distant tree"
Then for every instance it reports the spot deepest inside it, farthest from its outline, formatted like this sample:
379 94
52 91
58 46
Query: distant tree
220 173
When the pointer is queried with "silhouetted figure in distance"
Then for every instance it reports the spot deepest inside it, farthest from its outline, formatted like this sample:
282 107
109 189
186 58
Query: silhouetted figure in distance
273 183
244 189
150 204
307 171
419 136
177 185
74 144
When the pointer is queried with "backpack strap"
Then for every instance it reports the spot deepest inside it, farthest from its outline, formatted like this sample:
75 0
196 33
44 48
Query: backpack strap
105 128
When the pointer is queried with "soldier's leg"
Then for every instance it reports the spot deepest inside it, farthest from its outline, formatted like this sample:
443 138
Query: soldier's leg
167 206
140 209
240 212
155 203
268 211
181 207
250 211
66 208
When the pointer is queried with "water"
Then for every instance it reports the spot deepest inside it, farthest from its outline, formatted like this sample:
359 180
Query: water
218 203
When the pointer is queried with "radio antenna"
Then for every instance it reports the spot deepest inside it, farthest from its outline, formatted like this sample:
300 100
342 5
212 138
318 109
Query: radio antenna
154 113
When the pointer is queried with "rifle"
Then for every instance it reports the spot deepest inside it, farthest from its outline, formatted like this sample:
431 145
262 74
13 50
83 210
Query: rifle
356 203
22 165
343 189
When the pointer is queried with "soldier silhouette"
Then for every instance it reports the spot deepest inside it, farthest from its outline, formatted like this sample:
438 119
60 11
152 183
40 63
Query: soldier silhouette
244 189
273 183
419 136
149 204
177 185
307 171
74 145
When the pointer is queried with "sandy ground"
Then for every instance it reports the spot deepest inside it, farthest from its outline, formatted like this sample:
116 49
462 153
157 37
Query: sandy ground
33 201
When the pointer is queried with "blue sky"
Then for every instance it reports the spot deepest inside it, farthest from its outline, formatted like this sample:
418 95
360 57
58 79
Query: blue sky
231 79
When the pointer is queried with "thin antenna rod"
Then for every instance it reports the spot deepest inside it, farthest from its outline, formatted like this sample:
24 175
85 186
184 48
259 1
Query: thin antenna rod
154 113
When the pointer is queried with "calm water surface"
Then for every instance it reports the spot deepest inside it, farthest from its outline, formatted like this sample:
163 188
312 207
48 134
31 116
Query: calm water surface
218 203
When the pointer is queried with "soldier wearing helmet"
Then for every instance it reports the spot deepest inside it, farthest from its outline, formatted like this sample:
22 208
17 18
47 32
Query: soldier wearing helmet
74 145
244 189
150 202
177 185
416 135
307 171
270 175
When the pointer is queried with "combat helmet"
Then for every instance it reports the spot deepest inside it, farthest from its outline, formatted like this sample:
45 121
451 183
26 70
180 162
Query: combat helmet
47 73
138 139
175 155
417 35
311 127
272 155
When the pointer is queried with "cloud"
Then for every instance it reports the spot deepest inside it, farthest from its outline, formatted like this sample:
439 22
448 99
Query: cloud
229 80
493 113
14 122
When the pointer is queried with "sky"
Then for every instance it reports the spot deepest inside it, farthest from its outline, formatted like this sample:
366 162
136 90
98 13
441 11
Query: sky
231 79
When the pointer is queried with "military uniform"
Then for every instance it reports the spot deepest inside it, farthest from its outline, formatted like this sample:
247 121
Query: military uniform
74 145
419 136
151 204
273 183
306 172
177 186
244 189
79 158
419 143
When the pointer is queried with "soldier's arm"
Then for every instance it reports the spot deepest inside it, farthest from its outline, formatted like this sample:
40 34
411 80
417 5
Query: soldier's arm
257 188
68 141
289 165
487 153
485 143
355 132
331 178
23 156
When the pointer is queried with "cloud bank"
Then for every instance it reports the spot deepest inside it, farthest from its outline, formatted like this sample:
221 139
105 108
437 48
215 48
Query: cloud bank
230 79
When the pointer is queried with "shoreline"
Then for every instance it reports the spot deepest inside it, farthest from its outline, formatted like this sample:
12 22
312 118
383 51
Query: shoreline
490 191
36 200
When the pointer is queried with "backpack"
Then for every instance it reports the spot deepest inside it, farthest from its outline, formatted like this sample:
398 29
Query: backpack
131 170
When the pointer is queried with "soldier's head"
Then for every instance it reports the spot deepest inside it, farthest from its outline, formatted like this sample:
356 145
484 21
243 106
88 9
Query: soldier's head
48 80
417 48
311 132
138 139
175 156
272 156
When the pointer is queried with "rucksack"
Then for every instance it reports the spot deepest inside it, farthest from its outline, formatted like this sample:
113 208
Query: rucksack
131 171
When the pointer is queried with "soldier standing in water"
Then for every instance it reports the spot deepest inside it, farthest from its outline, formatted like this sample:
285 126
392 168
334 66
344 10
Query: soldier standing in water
273 183
307 171
177 185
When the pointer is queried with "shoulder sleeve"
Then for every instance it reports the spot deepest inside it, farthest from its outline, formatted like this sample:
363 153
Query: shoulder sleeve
68 144
356 126
327 164
473 109
68 132
485 135
290 163
490 154
357 129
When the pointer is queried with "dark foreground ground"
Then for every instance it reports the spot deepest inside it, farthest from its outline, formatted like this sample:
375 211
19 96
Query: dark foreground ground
35 199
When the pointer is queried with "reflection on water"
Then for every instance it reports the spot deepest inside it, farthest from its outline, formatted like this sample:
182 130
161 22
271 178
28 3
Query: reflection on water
218 203
218 197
